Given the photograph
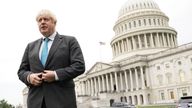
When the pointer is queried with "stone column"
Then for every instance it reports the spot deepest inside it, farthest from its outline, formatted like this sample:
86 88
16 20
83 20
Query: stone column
111 77
116 82
126 80
115 47
136 78
172 38
131 79
83 85
128 46
145 99
138 99
107 81
140 43
158 40
147 75
103 83
121 80
89 89
119 47
81 91
99 81
175 38
122 46
164 41
92 88
168 38
95 82
152 41
145 37
113 50
125 43
142 77
133 42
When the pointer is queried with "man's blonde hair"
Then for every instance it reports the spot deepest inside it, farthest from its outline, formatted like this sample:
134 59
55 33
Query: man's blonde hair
47 13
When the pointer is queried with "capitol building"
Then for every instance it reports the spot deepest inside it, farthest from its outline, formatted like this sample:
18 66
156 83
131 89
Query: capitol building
148 66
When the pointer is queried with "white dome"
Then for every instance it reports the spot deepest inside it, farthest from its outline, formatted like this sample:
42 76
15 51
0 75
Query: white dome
133 5
141 29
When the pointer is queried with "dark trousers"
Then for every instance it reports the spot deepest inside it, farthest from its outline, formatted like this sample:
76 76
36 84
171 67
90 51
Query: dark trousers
43 104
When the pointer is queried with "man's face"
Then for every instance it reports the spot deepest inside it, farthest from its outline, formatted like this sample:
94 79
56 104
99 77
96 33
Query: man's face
46 25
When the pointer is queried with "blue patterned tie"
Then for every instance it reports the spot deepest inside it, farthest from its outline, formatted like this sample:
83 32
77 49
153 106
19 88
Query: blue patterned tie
44 52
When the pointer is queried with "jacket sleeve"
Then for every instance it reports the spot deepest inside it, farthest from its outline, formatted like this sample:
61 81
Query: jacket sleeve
77 64
24 69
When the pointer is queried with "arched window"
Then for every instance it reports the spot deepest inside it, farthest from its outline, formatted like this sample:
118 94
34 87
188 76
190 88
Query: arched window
130 25
139 22
149 21
134 24
181 76
125 26
158 67
179 63
167 65
160 79
169 77
144 21
154 21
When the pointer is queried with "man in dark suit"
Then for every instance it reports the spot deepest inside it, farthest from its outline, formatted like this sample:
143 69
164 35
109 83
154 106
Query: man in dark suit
49 65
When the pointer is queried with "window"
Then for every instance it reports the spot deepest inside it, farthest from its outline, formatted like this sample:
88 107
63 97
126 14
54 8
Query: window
158 21
169 76
179 63
158 68
162 95
125 26
154 21
184 92
129 24
144 21
182 76
160 79
167 65
139 22
149 21
172 95
134 24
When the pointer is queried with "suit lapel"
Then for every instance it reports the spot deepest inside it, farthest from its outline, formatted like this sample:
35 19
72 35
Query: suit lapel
37 49
54 46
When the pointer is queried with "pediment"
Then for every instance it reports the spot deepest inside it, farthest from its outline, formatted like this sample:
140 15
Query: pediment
98 67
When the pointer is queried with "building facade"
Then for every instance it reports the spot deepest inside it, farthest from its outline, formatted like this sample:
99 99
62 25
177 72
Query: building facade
148 66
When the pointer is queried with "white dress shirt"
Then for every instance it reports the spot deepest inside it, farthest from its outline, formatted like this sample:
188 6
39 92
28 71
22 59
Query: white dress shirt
50 42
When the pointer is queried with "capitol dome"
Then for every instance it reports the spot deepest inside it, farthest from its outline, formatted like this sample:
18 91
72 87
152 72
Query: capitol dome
134 5
141 29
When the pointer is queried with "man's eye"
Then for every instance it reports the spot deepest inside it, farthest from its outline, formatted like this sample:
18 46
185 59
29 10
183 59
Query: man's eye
39 20
46 19
43 19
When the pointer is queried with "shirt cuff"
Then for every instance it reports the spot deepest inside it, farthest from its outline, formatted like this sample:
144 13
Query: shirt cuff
56 77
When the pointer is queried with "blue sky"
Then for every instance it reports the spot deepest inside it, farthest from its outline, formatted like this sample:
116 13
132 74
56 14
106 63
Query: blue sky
90 21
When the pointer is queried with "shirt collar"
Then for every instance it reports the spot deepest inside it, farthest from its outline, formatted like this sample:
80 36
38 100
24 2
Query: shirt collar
51 37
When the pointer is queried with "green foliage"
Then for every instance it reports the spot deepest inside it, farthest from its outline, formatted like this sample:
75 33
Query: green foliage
4 104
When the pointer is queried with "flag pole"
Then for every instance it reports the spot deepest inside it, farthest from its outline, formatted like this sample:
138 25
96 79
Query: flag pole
100 50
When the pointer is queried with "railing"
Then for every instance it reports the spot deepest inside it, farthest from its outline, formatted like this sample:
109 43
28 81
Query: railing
158 106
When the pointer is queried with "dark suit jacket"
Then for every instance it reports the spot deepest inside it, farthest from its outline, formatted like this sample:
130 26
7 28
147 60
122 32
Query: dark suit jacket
66 58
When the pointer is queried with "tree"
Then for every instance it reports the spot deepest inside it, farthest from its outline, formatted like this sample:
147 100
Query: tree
4 104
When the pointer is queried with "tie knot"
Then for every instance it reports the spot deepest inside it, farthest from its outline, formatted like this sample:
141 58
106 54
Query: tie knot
46 39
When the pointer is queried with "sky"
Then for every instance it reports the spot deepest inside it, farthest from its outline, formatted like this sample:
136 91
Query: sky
90 21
